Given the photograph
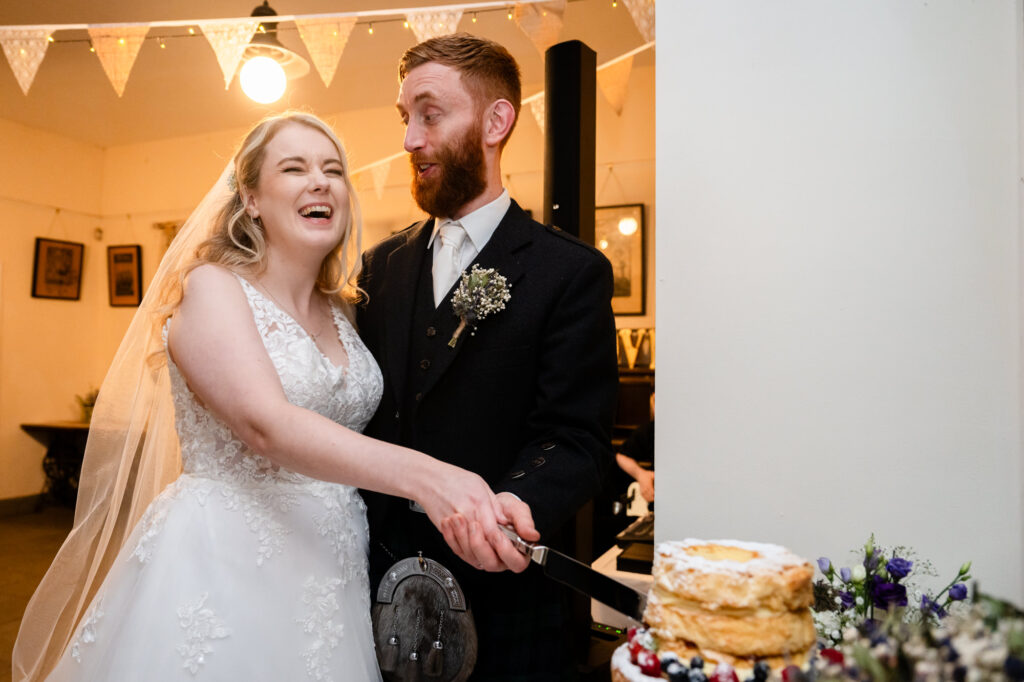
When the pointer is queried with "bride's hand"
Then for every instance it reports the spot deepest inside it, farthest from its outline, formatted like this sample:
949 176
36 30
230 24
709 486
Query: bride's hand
452 493
492 551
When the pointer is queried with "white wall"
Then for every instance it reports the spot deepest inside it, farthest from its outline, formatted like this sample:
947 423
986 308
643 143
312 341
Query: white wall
839 293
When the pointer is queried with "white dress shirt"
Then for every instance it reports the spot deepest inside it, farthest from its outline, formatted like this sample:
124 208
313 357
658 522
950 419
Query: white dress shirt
479 226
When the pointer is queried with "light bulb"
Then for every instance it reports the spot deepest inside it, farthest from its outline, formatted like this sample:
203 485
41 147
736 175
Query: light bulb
627 226
262 80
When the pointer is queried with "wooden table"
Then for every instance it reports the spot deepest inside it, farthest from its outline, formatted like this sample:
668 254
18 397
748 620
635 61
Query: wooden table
65 445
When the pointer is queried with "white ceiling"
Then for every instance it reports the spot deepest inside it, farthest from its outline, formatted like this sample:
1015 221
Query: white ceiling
179 90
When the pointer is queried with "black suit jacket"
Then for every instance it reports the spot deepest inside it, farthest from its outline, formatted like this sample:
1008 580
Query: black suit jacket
526 400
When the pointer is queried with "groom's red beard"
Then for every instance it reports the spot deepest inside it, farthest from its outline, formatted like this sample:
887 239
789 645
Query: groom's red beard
461 175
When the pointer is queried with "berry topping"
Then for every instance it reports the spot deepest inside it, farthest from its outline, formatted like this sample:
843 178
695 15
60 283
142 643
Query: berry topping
792 673
631 633
667 660
697 663
649 663
832 656
698 676
761 671
635 647
724 673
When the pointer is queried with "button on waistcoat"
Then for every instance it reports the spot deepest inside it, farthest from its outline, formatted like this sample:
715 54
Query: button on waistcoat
427 341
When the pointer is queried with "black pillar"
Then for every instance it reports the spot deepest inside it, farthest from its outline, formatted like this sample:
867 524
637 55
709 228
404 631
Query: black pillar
570 90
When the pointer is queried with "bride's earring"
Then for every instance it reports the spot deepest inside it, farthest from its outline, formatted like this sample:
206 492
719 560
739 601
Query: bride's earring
435 659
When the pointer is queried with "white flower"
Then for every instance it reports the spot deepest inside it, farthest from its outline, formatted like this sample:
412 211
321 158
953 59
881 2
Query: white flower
480 293
857 574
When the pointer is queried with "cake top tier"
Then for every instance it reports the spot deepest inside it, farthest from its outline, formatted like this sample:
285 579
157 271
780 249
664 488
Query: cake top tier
726 556
731 574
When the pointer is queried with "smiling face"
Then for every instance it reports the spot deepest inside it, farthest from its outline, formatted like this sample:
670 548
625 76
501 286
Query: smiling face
444 138
301 197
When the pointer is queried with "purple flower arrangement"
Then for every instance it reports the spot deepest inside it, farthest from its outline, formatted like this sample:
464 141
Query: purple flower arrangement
875 588
873 626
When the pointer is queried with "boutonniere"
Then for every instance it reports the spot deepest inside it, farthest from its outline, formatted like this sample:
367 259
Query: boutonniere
480 293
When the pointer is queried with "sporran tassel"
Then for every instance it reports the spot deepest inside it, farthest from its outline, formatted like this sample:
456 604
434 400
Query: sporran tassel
412 668
389 657
435 659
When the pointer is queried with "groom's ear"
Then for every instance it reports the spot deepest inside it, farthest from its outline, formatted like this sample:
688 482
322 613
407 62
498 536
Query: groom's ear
498 121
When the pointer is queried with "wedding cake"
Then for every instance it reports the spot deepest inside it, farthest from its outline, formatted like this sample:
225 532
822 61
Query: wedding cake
725 604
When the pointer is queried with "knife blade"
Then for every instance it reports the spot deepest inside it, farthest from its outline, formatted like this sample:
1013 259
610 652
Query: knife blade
582 578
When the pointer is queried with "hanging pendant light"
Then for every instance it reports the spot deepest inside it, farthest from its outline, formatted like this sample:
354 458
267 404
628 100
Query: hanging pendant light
267 64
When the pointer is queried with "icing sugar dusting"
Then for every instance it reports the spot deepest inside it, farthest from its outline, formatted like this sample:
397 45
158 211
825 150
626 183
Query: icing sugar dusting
758 557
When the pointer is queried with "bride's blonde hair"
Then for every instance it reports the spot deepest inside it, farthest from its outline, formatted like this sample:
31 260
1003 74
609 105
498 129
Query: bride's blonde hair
238 242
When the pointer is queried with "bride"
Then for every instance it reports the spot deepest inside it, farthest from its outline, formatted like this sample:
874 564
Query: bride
244 556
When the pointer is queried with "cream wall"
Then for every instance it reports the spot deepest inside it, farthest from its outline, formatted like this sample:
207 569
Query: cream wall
840 292
52 350
48 348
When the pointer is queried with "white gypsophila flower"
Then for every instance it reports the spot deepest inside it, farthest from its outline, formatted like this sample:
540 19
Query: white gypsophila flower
481 292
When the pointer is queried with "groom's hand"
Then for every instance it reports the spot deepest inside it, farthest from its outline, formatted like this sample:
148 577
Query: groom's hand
493 552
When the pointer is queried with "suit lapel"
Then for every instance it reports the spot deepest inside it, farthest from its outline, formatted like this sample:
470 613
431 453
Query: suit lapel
503 252
399 294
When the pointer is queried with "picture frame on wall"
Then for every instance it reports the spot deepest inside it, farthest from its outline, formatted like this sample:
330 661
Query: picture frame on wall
57 269
124 274
621 235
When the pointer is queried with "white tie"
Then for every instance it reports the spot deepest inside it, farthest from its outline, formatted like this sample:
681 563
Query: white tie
448 264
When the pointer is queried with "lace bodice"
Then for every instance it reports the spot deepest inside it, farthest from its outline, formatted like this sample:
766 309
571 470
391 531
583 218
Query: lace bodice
346 395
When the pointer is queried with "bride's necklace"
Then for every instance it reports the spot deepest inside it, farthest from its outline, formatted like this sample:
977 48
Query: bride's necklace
293 315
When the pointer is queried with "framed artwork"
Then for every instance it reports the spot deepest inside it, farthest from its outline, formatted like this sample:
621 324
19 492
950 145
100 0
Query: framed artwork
124 274
57 270
620 234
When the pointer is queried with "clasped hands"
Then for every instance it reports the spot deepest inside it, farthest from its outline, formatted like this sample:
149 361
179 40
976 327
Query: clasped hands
484 545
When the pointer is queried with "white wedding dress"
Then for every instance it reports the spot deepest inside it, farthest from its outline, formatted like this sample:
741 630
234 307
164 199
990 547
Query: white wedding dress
240 570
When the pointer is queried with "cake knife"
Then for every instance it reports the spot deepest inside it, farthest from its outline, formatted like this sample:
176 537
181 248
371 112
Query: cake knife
582 578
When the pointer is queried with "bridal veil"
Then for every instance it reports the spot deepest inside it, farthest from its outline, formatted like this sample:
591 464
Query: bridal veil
131 455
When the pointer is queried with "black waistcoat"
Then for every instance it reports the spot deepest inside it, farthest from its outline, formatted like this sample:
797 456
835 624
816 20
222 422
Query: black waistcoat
425 343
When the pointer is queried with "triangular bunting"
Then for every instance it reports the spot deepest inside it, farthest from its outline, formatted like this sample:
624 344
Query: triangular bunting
642 12
359 181
427 25
380 177
613 80
541 22
25 49
117 47
539 111
325 39
228 40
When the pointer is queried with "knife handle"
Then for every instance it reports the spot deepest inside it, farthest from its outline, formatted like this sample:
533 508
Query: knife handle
520 544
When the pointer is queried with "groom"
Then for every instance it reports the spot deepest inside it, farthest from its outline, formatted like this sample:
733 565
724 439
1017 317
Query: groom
525 396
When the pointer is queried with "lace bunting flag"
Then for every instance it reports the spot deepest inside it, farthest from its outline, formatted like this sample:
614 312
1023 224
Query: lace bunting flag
117 47
228 40
613 80
380 177
359 181
325 39
539 111
541 22
642 12
427 25
25 49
